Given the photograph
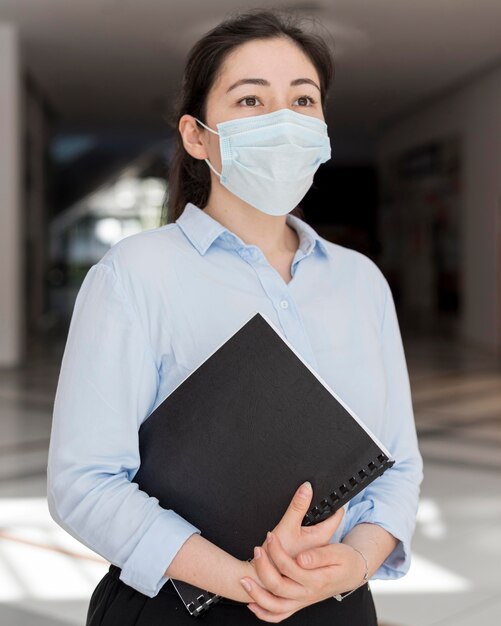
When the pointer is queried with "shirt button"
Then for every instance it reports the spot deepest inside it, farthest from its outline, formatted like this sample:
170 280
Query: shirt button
284 304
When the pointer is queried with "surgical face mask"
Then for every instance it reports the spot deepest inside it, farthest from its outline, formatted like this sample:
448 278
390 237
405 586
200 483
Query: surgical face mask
269 160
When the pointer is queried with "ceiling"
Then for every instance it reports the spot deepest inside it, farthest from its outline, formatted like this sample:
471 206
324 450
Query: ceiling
119 62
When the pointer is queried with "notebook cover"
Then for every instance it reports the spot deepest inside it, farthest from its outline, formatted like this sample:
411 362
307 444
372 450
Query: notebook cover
230 445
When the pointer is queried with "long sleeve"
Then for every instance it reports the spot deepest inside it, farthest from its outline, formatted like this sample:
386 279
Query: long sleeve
391 501
107 386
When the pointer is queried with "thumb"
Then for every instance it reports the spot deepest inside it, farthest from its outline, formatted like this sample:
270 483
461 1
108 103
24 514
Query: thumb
299 505
329 526
319 557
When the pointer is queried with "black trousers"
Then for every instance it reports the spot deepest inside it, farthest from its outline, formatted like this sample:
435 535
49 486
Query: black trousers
113 603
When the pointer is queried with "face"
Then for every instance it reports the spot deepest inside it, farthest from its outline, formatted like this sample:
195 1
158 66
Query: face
258 77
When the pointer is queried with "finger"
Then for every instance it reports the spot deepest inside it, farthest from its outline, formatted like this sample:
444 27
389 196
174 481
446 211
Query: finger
321 533
268 616
322 556
298 507
273 579
286 565
267 600
329 526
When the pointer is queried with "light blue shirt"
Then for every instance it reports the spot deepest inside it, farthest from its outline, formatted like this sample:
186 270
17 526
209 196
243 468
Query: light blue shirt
157 305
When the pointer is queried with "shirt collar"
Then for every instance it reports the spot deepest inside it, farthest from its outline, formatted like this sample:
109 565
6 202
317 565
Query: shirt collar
202 230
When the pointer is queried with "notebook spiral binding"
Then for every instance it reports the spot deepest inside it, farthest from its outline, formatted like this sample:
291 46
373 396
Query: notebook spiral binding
204 601
338 498
316 514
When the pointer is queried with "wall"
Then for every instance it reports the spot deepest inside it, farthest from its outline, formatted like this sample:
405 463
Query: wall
473 111
11 256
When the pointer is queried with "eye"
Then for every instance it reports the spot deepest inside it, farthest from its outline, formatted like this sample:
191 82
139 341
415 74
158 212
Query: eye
248 98
309 98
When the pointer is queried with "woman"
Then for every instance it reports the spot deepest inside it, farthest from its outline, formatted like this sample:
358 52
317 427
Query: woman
251 135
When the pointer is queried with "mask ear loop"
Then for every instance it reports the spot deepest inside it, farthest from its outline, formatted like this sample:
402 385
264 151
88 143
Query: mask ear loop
212 131
207 160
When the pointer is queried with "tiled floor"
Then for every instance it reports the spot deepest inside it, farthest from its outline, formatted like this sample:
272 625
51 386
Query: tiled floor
47 576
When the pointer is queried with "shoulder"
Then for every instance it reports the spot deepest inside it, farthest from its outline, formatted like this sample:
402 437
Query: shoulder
142 266
355 265
357 277
145 252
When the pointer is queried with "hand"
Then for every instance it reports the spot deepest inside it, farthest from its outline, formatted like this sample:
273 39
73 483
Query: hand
289 587
295 538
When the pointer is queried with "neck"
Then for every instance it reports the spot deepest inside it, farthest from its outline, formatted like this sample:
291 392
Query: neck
270 233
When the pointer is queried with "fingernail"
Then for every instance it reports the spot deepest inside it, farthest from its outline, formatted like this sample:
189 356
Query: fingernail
245 584
269 537
257 552
305 488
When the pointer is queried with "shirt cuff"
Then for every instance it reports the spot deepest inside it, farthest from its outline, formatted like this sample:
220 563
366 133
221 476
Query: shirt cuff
397 563
145 568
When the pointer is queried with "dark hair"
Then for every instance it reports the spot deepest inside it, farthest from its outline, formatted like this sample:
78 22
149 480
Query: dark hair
189 178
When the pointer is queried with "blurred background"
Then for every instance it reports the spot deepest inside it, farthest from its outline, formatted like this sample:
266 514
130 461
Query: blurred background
414 182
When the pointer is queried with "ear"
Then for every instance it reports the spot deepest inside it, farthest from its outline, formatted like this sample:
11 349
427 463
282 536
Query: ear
192 136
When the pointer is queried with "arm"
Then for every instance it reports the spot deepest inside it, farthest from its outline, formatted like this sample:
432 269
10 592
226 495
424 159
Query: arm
203 564
391 501
107 386
374 542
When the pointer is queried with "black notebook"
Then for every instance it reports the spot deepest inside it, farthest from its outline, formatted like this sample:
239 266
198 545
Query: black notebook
230 445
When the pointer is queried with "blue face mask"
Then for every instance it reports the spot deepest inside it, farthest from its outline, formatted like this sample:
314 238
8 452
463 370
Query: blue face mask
269 160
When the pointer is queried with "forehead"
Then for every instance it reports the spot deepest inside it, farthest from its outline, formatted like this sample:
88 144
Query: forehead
279 60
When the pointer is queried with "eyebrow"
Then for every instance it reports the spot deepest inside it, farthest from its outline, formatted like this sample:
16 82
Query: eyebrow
265 83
